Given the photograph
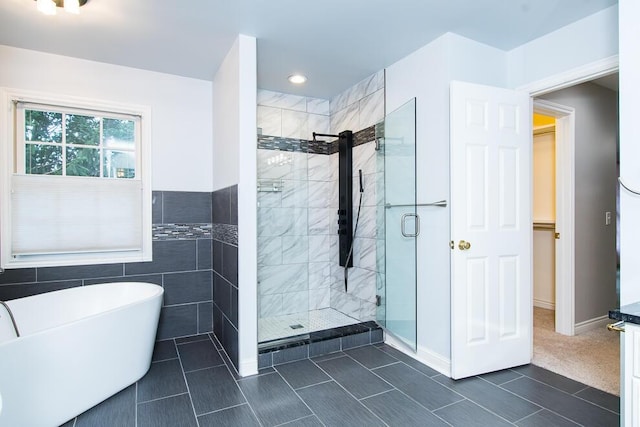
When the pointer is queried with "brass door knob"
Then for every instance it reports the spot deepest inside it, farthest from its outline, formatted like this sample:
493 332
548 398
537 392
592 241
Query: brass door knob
616 327
464 245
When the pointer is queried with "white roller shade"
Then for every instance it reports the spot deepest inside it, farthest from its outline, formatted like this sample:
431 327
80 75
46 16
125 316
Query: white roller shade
57 215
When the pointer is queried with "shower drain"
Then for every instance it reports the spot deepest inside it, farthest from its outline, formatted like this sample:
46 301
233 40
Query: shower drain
296 326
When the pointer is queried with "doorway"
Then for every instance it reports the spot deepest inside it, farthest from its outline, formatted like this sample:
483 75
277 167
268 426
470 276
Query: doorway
586 169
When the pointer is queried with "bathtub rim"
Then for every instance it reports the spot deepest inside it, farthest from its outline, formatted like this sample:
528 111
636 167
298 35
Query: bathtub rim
157 294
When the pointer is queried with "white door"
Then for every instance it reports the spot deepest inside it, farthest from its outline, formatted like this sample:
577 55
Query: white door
491 296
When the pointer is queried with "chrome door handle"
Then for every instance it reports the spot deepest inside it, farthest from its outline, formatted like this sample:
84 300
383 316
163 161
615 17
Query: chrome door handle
403 220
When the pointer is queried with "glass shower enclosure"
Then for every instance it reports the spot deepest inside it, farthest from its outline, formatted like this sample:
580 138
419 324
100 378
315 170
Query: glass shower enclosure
397 311
301 285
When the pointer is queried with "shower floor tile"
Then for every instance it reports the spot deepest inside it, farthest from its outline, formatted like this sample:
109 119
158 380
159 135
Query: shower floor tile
273 328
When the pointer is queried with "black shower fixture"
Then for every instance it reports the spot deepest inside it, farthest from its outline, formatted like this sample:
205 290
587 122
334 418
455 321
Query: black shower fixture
323 134
345 196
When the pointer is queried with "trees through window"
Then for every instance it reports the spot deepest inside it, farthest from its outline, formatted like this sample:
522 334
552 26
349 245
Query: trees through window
76 144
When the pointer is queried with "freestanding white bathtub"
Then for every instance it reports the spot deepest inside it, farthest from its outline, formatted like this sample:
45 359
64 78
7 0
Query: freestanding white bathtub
76 348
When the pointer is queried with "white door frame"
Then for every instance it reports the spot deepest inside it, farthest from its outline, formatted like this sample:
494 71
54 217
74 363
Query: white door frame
565 212
565 178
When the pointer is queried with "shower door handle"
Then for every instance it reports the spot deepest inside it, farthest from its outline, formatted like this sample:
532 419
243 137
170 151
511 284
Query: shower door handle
403 222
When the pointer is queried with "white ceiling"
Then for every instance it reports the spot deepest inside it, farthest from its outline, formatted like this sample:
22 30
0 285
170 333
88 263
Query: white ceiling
335 43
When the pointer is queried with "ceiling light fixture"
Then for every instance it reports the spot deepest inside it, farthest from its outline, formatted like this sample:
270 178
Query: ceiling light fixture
49 7
297 79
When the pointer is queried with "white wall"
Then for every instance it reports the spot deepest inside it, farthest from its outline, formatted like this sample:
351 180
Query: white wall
583 42
180 107
629 151
425 74
544 176
234 162
226 120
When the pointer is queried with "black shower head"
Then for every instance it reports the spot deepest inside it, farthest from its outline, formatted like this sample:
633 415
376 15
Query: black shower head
323 134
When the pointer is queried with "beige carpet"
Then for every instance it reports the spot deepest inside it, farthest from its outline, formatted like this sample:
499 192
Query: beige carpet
593 358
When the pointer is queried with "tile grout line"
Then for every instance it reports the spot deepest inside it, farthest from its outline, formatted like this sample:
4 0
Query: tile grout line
144 402
311 385
350 394
136 407
238 385
563 391
186 383
534 403
300 419
531 415
412 399
521 397
429 410
594 403
224 409
205 368
482 406
415 360
498 386
300 398
583 389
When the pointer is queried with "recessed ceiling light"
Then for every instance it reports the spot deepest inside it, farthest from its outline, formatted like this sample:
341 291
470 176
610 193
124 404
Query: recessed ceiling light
297 79
48 7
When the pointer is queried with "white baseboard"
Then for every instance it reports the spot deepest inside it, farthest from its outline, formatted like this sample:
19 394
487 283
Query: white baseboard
423 355
435 361
588 325
544 304
248 367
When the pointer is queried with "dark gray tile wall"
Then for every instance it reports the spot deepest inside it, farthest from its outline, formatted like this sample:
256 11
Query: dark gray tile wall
224 219
183 265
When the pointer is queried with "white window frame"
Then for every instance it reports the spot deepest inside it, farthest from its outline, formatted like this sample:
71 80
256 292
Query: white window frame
21 142
12 164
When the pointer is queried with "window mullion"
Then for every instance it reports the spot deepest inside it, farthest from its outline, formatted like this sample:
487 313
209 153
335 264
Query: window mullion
20 155
64 144
101 147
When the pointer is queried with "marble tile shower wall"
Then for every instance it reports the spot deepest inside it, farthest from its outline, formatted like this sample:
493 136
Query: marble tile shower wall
294 232
357 108
293 221
297 229
359 301
291 116
360 106
182 264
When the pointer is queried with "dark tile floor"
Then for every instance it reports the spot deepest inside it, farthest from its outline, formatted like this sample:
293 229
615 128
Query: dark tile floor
192 383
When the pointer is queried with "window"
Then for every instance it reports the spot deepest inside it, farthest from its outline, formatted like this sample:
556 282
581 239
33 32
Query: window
69 143
75 182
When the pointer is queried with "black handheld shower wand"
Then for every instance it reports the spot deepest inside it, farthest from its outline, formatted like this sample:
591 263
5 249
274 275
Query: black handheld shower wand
346 268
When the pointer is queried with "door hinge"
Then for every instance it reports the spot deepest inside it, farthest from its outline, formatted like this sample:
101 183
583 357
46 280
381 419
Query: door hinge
557 236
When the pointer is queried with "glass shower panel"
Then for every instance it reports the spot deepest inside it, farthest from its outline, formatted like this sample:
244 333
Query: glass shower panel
401 223
283 244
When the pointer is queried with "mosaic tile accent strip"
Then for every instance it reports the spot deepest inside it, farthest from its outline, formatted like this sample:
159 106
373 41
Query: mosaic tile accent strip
226 233
277 143
223 232
181 231
291 144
